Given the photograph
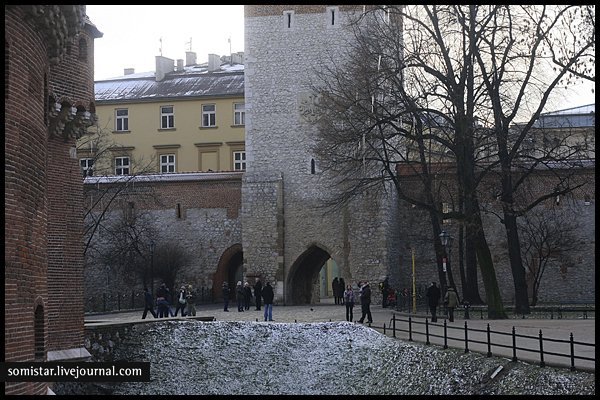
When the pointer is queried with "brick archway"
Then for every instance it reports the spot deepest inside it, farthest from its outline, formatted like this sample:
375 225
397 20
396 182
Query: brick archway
303 279
230 262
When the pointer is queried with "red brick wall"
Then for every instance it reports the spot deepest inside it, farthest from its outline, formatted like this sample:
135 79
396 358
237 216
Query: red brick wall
43 194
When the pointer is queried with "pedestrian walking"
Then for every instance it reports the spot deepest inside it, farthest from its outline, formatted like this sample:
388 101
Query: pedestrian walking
169 298
451 301
257 293
365 303
181 301
433 295
161 301
349 302
247 295
191 301
268 295
226 294
148 304
239 296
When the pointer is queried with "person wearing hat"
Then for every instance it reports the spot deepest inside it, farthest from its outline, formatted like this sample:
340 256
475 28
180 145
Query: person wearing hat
226 291
451 299
181 301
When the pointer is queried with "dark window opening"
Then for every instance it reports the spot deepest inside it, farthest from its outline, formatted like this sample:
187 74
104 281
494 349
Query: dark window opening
332 17
178 210
289 20
313 168
83 50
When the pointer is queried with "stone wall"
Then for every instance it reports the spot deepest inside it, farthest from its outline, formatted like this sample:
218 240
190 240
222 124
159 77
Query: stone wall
281 55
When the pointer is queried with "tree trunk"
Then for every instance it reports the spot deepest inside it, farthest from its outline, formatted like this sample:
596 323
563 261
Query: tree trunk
516 262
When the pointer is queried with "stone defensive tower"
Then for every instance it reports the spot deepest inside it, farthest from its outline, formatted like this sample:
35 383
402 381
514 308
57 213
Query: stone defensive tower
287 236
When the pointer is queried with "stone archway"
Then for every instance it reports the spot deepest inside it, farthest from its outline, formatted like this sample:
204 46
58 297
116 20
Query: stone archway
303 279
228 270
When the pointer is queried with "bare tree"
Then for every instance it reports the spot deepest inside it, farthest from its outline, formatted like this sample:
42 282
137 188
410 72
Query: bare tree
511 63
170 258
547 233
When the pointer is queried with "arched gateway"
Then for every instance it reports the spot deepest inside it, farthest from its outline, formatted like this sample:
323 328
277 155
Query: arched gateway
282 190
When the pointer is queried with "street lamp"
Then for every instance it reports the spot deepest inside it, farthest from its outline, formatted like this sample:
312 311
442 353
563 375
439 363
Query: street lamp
152 247
446 240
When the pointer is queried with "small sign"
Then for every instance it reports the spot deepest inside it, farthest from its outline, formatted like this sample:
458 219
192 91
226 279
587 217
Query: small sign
444 264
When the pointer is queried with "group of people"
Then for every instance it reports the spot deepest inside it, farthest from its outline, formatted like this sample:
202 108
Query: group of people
364 294
451 301
338 286
243 295
160 307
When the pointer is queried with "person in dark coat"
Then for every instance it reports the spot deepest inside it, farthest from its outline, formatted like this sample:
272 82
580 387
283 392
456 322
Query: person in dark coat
169 299
161 301
247 295
226 293
433 298
365 303
335 287
181 301
268 295
341 290
385 291
149 304
257 293
239 296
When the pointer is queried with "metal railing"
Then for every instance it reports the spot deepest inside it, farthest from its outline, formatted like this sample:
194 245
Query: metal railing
465 339
135 299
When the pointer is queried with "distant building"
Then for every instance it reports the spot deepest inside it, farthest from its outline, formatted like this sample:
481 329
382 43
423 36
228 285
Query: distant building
179 118
49 102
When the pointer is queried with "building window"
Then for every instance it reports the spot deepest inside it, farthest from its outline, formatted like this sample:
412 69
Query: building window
288 19
332 16
239 160
167 163
178 210
167 117
87 166
122 119
239 114
209 115
313 166
122 165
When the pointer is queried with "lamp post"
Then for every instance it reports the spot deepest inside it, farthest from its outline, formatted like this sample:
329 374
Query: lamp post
446 240
152 247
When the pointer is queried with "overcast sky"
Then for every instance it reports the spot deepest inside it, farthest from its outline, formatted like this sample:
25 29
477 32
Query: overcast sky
132 34
132 39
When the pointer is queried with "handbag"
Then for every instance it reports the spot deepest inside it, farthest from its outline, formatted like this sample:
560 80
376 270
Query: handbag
181 299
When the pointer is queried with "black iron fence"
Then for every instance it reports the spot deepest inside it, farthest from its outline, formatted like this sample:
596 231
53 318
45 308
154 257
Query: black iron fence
466 336
135 299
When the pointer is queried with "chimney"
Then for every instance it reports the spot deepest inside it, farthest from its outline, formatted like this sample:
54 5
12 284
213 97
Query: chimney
214 63
164 65
179 64
237 58
190 58
128 71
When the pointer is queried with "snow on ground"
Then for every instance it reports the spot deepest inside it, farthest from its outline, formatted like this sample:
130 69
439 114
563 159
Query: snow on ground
193 357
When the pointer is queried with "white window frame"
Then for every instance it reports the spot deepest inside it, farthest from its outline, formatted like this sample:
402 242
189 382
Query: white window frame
167 117
122 121
87 166
239 160
167 163
122 167
239 114
209 117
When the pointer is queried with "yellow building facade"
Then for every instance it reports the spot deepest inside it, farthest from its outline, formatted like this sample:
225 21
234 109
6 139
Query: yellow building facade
177 119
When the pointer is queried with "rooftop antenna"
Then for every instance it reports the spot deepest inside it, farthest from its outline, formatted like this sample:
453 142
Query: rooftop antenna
160 48
230 54
189 44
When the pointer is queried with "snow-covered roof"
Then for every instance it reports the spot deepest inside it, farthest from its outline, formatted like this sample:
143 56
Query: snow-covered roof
574 117
192 81
170 177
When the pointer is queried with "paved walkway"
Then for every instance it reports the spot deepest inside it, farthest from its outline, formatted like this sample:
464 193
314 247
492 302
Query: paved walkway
583 330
